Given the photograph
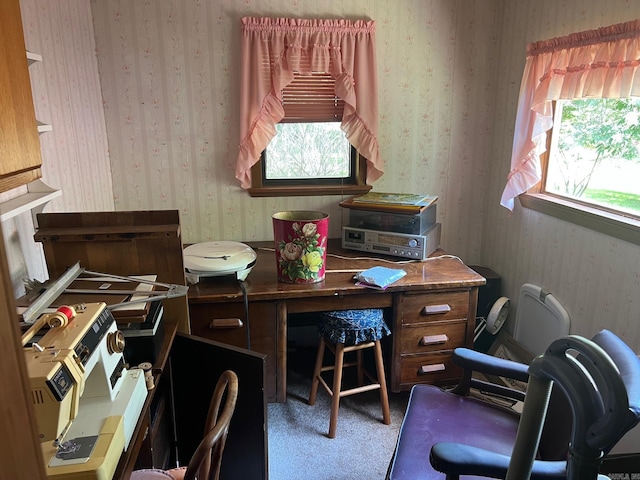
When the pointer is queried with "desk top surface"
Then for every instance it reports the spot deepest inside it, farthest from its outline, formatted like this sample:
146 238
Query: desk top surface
438 272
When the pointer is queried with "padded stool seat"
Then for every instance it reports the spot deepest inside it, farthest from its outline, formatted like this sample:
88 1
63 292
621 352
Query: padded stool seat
344 331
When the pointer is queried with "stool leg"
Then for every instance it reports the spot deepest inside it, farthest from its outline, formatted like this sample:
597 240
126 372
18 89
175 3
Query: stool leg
337 385
359 367
384 396
316 372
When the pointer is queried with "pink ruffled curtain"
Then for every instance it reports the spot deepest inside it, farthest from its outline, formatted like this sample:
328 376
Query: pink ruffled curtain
600 63
272 49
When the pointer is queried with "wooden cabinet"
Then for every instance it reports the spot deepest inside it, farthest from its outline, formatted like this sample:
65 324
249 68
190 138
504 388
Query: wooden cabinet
427 328
20 158
228 323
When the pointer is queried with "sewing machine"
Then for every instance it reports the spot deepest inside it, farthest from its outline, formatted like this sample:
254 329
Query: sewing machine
86 400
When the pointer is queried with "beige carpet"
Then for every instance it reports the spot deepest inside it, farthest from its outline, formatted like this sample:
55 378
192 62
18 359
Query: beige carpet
298 444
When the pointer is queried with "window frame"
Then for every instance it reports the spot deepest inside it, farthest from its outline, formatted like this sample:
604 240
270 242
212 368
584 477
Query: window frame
599 219
323 105
306 188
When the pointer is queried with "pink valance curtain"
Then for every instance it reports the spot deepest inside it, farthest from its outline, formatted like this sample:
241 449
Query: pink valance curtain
272 49
600 63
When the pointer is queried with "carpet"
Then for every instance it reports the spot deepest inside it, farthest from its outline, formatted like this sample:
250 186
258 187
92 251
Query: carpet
299 448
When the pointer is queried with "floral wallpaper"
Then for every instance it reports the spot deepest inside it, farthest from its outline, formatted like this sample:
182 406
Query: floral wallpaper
66 94
169 74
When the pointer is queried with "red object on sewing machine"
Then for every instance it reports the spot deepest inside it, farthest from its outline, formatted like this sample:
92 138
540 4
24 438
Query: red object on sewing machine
68 312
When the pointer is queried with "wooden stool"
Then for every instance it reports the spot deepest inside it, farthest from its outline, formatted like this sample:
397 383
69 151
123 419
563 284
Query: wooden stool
348 331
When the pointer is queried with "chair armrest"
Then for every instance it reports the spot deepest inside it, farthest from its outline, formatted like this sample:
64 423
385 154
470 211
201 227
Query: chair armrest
459 459
481 362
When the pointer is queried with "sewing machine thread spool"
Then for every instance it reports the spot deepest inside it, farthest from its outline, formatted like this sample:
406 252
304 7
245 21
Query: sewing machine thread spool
148 374
61 317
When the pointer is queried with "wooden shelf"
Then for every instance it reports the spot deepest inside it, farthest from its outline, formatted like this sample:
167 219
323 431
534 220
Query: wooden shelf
37 196
33 58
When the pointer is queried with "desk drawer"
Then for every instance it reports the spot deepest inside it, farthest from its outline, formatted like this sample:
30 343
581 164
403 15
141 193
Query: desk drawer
435 368
431 307
340 302
433 337
218 322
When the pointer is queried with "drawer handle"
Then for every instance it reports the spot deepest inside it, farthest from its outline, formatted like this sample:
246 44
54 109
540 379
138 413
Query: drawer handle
433 340
436 309
427 369
217 323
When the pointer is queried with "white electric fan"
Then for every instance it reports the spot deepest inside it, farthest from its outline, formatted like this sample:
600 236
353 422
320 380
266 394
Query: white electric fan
495 319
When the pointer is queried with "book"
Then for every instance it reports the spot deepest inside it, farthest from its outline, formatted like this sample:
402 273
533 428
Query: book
402 208
147 328
407 199
379 277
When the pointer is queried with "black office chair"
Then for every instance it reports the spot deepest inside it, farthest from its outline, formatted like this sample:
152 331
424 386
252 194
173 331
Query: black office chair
599 378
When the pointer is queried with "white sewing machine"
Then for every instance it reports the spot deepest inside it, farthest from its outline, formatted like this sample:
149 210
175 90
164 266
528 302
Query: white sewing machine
87 402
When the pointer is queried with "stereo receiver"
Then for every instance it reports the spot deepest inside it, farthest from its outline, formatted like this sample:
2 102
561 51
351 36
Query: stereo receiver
415 247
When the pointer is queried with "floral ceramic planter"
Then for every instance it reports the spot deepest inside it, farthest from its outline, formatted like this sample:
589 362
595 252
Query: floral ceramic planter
300 239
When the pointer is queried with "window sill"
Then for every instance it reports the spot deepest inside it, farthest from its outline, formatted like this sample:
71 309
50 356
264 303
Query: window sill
297 191
618 226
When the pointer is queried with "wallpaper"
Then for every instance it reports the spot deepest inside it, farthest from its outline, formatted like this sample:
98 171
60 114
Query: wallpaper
66 94
169 73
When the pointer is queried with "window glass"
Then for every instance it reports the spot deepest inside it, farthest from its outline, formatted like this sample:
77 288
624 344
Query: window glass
594 156
308 151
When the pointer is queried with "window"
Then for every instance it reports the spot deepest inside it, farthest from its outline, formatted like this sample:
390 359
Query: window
309 148
576 125
308 153
308 85
594 157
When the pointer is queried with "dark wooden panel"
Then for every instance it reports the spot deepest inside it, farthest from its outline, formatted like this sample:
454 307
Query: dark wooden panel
261 324
197 364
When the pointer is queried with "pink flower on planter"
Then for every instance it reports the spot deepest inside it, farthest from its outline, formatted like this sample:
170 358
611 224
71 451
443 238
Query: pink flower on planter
309 229
291 252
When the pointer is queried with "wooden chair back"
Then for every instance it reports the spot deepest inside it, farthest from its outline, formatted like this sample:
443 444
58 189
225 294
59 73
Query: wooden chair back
206 461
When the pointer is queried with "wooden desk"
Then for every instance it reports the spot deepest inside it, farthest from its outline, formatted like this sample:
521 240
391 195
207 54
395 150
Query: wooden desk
423 338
